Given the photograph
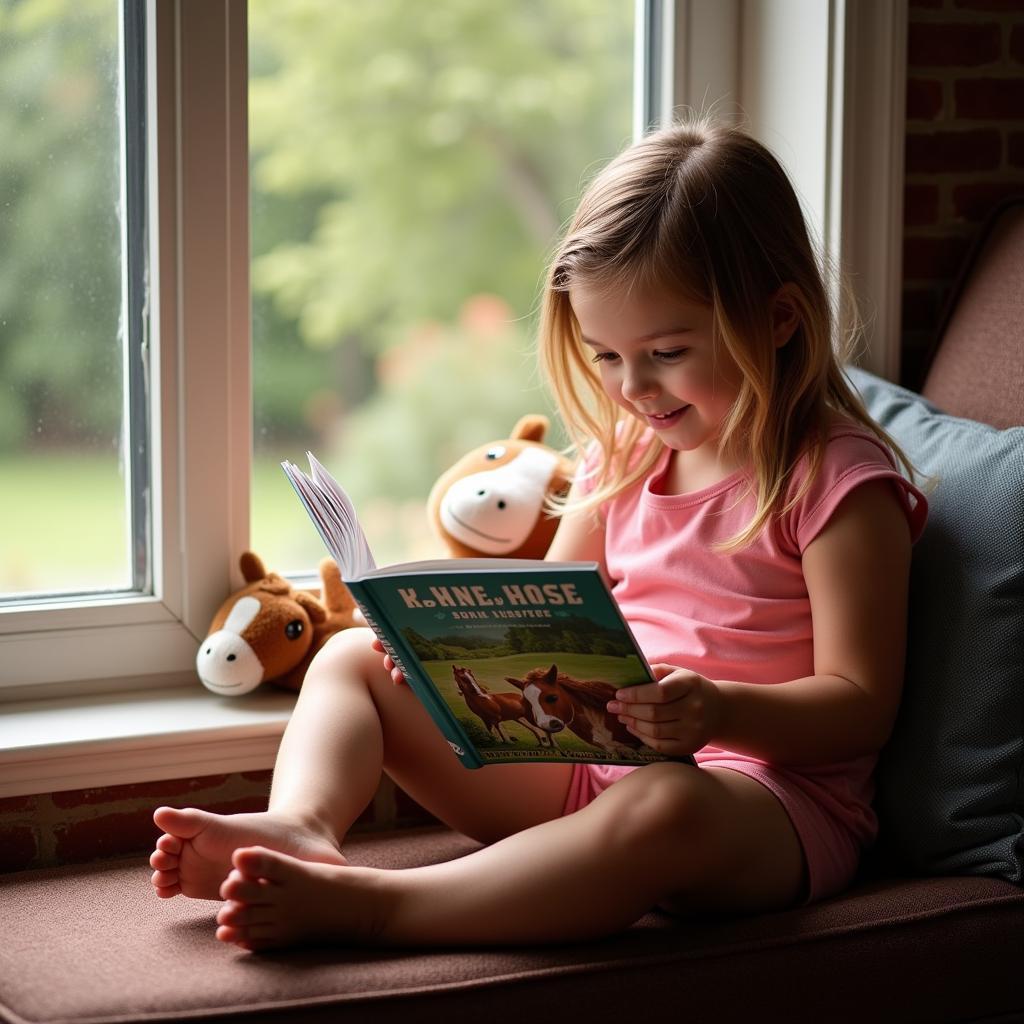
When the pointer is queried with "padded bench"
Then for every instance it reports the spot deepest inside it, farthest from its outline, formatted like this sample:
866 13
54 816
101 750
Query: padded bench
93 944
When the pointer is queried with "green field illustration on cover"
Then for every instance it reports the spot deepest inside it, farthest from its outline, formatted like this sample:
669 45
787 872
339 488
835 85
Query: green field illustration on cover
558 712
527 666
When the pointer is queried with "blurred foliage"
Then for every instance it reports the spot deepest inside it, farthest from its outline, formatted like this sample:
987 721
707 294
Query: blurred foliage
447 149
402 222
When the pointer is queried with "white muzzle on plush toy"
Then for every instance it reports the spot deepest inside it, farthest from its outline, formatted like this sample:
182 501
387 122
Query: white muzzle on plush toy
226 662
495 510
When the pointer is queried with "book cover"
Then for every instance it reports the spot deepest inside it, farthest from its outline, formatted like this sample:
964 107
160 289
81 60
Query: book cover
515 660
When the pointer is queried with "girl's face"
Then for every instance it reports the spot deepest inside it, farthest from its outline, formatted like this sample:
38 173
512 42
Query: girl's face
658 359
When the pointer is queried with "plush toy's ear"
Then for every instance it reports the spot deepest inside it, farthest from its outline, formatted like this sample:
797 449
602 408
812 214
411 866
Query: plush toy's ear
531 427
252 567
273 583
314 609
336 597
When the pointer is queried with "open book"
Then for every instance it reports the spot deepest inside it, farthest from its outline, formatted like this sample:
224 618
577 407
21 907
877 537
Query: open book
515 659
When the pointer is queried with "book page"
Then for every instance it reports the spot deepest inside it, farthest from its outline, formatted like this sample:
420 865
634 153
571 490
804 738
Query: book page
334 516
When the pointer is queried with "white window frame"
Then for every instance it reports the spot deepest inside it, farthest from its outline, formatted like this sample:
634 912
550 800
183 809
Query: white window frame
200 373
821 82
105 693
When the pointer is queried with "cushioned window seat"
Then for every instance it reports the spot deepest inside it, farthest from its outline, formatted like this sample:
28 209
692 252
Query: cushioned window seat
93 944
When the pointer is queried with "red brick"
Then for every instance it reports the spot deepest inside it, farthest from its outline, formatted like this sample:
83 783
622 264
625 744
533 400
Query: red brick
963 45
109 835
1015 149
924 98
920 309
990 98
163 791
235 805
920 205
932 259
17 804
18 848
975 202
991 5
1017 44
931 152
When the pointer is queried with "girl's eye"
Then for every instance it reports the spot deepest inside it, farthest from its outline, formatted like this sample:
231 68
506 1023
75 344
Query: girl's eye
670 354
603 357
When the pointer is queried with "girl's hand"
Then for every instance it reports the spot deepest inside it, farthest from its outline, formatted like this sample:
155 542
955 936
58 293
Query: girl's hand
678 714
396 673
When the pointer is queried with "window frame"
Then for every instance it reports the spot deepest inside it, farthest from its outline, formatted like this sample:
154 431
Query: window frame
199 370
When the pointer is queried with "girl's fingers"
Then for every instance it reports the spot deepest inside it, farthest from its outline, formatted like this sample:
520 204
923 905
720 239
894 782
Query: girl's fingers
655 714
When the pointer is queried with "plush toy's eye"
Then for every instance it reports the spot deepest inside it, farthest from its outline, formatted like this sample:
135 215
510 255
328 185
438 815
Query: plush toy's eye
495 453
294 629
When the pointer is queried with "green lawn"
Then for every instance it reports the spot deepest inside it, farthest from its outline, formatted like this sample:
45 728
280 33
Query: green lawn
63 524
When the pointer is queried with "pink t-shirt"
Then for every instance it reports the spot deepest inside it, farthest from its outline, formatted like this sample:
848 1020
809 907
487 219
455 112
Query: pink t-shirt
744 615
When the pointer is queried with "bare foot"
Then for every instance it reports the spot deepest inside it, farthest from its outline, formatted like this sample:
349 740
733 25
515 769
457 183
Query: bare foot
193 856
274 900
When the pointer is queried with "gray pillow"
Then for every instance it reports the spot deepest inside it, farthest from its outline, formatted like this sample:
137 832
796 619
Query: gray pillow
950 793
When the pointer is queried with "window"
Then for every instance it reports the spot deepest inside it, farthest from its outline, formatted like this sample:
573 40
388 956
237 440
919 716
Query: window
74 443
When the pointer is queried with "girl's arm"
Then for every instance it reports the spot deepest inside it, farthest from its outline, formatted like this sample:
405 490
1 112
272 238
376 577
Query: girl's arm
857 571
579 538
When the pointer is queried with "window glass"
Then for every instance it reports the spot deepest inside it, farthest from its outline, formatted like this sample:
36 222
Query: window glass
409 176
64 514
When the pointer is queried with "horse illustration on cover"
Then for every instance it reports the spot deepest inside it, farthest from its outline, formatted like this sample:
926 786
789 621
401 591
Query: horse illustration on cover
556 701
495 708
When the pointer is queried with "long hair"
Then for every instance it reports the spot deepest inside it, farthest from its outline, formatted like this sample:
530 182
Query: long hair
707 212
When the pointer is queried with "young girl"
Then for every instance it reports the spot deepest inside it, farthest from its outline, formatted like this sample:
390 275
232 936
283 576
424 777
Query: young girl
756 532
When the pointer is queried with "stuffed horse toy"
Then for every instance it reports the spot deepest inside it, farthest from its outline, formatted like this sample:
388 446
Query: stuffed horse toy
493 501
269 632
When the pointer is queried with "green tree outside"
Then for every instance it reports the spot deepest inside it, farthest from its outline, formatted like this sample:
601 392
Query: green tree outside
436 162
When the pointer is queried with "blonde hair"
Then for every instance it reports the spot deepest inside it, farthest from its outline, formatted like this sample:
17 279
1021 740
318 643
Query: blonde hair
708 212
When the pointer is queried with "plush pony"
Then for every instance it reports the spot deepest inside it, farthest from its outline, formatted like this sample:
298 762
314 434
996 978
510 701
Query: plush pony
269 632
491 503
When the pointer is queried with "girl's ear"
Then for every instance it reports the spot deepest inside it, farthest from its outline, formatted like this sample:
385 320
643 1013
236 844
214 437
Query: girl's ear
785 315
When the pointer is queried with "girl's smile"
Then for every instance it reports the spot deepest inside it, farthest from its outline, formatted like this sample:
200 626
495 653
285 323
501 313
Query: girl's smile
664 420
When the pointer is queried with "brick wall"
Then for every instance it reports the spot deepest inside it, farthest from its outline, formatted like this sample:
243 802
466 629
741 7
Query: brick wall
84 825
964 146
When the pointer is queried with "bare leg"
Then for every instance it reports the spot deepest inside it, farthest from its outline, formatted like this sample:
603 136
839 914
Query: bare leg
670 835
350 722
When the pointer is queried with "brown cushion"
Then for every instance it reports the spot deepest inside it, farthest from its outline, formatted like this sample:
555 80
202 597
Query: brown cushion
93 944
978 368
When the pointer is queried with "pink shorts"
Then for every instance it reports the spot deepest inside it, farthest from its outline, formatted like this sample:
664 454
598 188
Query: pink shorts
831 850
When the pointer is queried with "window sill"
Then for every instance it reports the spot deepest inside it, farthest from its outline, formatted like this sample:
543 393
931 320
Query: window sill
47 746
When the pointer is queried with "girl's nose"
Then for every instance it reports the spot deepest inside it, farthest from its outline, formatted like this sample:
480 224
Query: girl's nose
636 385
